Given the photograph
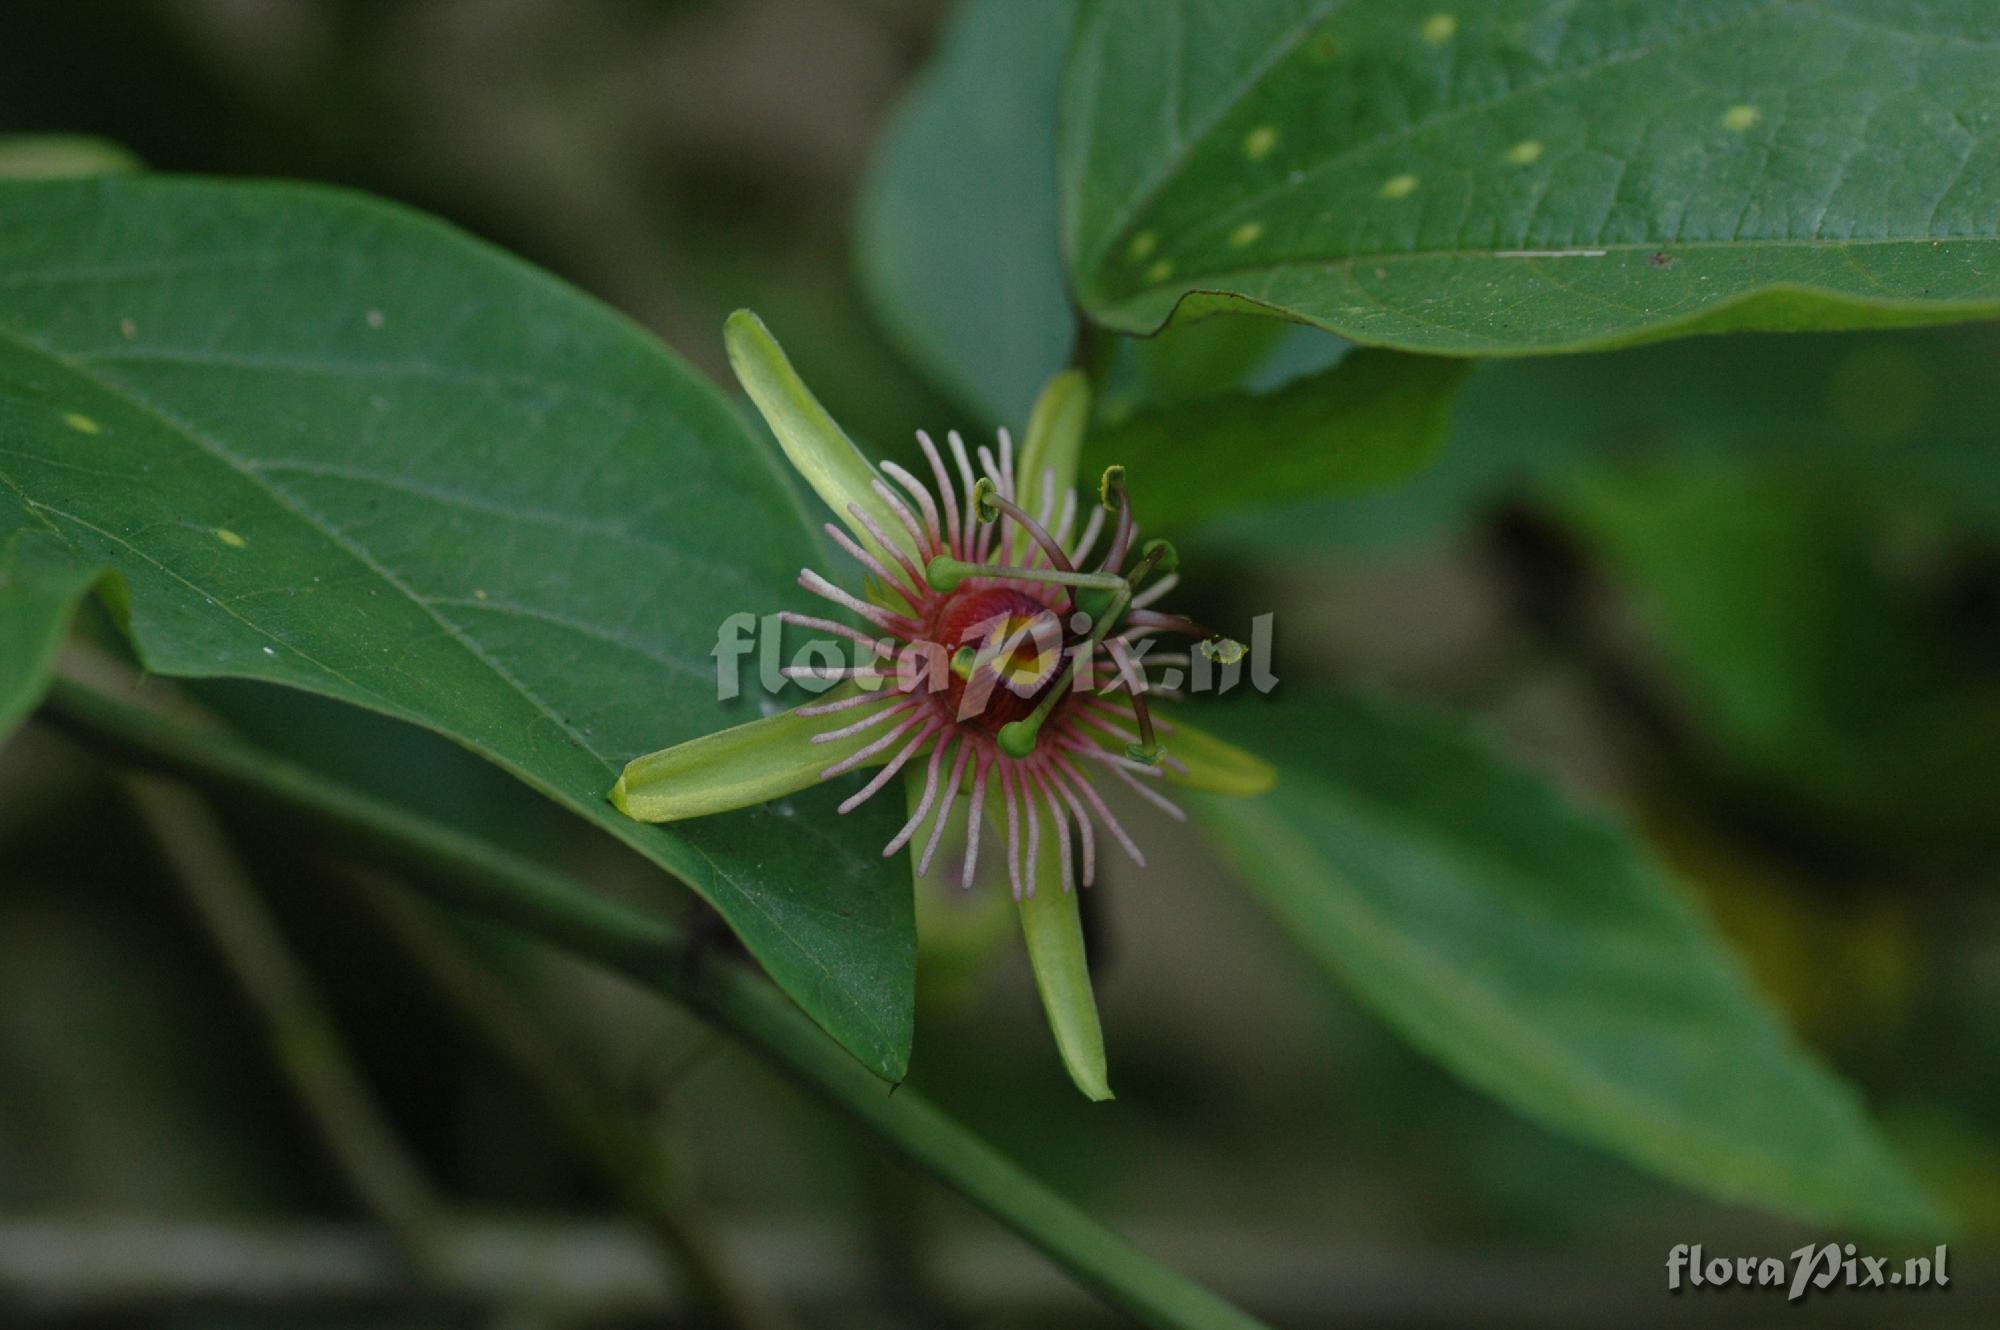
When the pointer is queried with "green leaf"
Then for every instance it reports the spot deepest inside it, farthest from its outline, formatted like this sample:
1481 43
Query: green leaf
1811 638
1537 953
40 583
61 157
956 232
1373 419
1534 175
1895 414
327 443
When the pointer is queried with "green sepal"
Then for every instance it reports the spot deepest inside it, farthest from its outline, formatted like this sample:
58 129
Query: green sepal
1214 764
737 767
812 439
1052 926
1054 443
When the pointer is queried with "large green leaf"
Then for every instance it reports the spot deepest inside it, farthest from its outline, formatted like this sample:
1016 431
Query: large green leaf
956 231
1811 637
40 583
1533 950
1528 175
326 443
1370 421
1901 416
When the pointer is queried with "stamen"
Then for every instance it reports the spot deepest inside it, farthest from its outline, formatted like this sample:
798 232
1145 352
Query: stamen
894 582
1060 774
900 624
1059 828
923 498
964 474
1092 529
1066 520
817 624
944 813
1034 846
874 528
842 704
890 708
867 792
834 673
1013 828
860 756
946 497
923 805
903 515
1153 593
1111 824
975 819
1148 793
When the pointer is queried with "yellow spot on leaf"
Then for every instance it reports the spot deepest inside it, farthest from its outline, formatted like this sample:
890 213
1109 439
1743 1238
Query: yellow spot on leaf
1440 28
1160 271
375 319
82 424
230 538
1399 187
1525 153
1740 118
1142 245
1257 144
1246 234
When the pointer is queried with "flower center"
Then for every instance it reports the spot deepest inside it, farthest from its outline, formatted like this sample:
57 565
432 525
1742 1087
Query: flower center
1006 652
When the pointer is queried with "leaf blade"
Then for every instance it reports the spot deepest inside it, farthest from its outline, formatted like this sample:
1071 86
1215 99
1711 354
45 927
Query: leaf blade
417 476
1532 177
1532 951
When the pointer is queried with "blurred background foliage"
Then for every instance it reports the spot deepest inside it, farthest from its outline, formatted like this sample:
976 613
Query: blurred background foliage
1745 589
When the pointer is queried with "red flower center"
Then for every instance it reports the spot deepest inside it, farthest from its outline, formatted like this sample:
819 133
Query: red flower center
1018 650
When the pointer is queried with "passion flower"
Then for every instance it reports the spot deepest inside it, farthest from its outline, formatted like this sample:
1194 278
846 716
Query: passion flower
1003 662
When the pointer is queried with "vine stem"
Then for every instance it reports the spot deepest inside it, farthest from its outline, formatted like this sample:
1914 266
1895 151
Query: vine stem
464 873
300 1030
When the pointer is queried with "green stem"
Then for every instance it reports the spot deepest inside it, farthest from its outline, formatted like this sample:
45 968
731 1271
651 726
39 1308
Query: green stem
626 1156
301 1032
465 873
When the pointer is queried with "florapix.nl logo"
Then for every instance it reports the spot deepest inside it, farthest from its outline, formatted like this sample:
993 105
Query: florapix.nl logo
1021 654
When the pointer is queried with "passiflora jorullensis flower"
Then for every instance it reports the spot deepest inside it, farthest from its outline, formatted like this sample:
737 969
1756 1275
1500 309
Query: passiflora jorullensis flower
999 668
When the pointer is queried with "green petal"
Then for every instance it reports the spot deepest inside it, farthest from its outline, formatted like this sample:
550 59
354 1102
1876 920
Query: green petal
1053 928
1054 441
735 768
1214 764
811 438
